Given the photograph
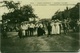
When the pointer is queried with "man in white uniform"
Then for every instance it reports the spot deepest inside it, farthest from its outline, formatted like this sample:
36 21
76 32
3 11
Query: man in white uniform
23 27
31 28
27 26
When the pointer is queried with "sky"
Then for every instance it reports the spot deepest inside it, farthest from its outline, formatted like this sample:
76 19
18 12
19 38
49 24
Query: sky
44 8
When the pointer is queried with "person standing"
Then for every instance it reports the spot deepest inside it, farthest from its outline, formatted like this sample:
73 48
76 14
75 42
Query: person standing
23 27
40 30
31 28
26 31
57 27
78 25
65 26
53 24
36 28
49 27
20 31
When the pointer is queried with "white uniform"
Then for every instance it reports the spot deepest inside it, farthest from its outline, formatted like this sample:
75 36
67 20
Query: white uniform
32 25
23 27
41 25
26 26
32 29
36 28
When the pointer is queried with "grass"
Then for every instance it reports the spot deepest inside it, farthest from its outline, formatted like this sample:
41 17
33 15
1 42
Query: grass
69 42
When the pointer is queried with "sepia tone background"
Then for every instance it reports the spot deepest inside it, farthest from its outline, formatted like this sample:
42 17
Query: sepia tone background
44 9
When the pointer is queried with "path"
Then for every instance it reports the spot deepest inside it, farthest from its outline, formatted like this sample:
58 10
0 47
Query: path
42 43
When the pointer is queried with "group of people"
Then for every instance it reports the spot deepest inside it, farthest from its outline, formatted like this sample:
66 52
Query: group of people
53 27
30 29
56 26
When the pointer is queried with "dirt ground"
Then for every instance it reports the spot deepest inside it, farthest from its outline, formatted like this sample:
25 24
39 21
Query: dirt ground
62 42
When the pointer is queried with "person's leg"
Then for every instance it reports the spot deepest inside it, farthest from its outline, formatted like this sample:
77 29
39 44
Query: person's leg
39 32
60 29
20 34
26 32
30 31
64 31
48 33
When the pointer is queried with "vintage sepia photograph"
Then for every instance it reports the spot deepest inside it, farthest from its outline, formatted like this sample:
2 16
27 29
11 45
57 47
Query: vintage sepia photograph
39 26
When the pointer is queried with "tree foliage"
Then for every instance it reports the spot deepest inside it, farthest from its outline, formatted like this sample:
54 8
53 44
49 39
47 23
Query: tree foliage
72 13
11 4
19 14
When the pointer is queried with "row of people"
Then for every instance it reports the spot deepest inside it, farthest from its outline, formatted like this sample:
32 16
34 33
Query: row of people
53 27
30 29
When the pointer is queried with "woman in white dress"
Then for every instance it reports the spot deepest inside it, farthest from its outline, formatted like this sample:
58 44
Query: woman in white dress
57 27
53 24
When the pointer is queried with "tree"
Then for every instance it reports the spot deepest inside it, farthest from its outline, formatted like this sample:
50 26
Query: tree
72 13
27 12
11 5
58 15
16 13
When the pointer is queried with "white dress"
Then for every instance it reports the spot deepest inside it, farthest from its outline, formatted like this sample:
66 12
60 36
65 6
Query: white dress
53 28
36 29
57 28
